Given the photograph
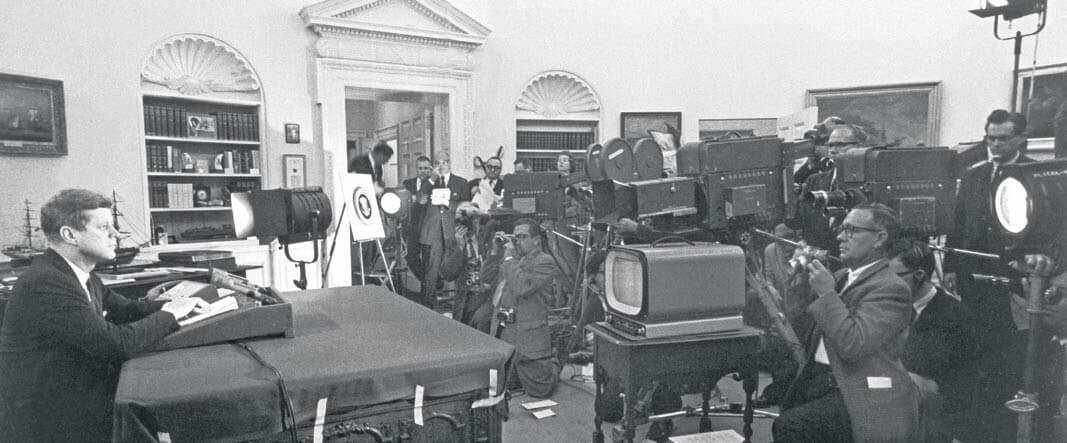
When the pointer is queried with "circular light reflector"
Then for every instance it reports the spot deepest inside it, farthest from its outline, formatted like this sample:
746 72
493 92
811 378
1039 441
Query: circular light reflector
1011 205
390 203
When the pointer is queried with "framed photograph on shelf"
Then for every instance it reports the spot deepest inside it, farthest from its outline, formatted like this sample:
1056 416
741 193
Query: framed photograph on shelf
32 120
292 133
635 125
904 114
295 166
726 128
1042 94
201 125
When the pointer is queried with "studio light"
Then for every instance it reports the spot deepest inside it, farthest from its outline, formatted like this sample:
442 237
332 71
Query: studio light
1029 201
396 202
1009 9
290 215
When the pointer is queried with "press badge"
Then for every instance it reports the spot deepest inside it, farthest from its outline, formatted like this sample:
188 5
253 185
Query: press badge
879 383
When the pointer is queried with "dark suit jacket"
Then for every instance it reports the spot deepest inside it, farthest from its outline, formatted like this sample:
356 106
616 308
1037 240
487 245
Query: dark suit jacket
974 224
864 331
814 225
362 165
942 346
418 211
59 357
437 224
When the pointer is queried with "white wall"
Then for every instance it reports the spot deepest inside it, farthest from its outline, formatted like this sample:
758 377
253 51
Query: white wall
741 59
98 48
705 58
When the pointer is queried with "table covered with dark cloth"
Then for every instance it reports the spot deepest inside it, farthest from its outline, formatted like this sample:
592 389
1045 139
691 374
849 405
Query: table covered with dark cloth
356 346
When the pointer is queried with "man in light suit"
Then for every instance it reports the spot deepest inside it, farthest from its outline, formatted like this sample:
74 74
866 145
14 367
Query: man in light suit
437 223
853 386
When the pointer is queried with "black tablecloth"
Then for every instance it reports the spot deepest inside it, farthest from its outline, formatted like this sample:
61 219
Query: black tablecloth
356 346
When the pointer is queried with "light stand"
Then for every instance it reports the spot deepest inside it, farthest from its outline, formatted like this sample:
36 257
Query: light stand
1011 10
302 282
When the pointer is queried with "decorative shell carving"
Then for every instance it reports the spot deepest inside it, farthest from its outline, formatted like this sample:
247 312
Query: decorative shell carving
196 64
556 93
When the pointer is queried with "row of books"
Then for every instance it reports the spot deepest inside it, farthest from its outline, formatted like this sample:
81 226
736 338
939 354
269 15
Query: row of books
547 140
190 195
171 195
166 121
167 158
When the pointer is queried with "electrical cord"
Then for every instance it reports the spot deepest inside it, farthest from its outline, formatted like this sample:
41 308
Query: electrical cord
288 413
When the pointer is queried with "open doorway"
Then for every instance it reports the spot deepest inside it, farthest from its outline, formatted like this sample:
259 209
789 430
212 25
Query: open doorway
409 122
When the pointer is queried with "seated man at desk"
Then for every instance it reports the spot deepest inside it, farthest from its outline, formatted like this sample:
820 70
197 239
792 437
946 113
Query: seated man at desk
65 335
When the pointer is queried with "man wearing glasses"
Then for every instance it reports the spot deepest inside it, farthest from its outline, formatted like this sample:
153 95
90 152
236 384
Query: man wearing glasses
853 384
1001 339
488 191
815 226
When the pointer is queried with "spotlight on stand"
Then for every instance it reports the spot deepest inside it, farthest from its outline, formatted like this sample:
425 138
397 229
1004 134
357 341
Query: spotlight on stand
290 215
396 202
1010 10
1029 201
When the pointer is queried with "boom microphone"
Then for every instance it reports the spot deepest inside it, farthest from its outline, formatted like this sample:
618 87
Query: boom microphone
241 285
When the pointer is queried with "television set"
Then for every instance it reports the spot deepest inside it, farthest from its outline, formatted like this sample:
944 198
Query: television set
672 289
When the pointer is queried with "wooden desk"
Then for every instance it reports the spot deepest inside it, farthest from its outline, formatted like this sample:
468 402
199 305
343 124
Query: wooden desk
687 364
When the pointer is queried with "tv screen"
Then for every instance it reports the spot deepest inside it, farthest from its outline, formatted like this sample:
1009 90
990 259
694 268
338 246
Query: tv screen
625 289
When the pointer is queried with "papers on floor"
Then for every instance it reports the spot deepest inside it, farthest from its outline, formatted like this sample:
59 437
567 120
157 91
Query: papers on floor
540 405
544 413
726 436
224 304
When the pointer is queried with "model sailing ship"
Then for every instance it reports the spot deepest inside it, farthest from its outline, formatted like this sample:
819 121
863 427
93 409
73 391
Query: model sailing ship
123 254
27 250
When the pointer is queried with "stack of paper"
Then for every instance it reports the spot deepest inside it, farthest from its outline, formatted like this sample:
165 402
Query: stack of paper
541 408
224 304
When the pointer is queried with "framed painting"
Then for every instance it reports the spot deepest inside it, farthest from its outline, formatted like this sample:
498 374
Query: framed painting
725 128
904 115
32 118
635 125
1042 97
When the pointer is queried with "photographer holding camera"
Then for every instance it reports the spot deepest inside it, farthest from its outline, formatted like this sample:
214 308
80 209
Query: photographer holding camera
521 304
853 385
815 225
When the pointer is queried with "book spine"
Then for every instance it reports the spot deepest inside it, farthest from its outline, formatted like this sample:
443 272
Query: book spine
183 125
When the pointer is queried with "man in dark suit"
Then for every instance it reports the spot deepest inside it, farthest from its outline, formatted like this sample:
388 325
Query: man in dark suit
65 335
419 187
492 180
853 384
439 222
372 163
1001 341
816 227
941 350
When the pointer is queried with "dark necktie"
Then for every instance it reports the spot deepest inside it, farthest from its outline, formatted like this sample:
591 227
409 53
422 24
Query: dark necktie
841 283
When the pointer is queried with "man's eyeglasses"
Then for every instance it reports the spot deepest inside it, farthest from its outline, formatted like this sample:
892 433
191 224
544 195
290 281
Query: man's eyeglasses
905 274
521 236
495 168
840 144
850 230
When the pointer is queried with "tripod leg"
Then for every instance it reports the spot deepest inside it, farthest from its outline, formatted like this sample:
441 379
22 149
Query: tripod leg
388 267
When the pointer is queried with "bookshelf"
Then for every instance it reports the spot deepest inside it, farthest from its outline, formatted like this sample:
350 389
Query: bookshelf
202 111
197 152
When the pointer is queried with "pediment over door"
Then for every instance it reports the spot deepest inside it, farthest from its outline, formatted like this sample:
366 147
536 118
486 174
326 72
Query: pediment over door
429 33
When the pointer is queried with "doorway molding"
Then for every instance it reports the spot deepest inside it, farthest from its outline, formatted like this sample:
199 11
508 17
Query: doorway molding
422 46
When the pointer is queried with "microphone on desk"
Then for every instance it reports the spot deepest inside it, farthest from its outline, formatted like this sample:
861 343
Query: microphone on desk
223 279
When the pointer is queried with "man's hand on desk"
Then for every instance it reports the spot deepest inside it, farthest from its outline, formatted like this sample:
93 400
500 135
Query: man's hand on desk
181 307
